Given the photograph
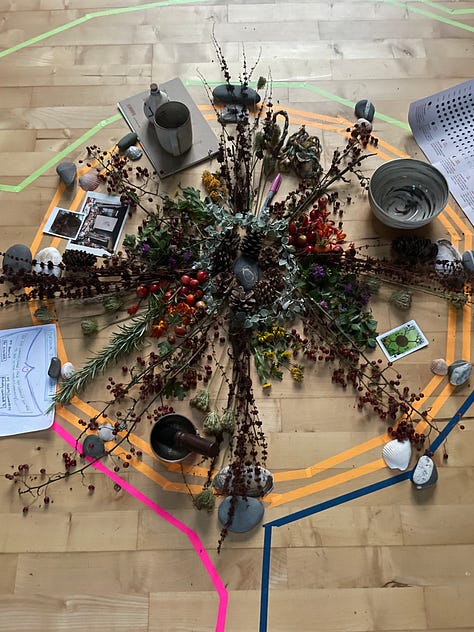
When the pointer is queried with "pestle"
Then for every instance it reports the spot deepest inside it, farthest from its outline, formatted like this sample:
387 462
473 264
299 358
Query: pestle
173 437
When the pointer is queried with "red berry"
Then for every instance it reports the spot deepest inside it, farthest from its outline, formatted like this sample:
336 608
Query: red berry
154 288
141 291
91 488
201 276
194 283
190 299
25 510
185 279
302 240
132 310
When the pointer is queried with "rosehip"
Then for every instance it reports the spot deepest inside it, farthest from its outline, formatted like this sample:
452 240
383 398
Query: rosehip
185 279
193 283
302 240
154 288
141 291
323 202
201 276
190 299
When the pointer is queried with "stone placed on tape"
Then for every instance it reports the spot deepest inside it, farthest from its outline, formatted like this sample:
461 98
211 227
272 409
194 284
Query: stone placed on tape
247 513
365 109
134 153
468 261
93 446
17 257
229 93
424 473
439 366
54 369
459 372
127 141
67 172
257 481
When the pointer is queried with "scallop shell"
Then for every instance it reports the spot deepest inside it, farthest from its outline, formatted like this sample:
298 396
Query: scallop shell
397 454
67 370
51 259
439 367
89 181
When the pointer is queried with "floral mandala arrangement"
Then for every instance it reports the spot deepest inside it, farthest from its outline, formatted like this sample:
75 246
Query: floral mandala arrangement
272 283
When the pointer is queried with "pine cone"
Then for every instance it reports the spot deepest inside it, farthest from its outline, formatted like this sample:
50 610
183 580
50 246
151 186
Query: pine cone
415 249
250 246
226 252
266 290
242 301
78 260
268 258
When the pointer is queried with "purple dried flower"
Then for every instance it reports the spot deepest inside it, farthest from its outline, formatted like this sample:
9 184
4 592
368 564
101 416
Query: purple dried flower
324 304
187 255
145 247
348 288
318 272
172 261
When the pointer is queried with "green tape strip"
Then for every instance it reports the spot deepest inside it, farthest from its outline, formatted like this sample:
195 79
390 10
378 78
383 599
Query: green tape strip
429 14
77 143
91 16
440 7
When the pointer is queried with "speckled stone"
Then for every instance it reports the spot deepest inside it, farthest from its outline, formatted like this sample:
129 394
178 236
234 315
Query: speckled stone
424 473
17 257
67 172
459 372
248 514
134 153
365 109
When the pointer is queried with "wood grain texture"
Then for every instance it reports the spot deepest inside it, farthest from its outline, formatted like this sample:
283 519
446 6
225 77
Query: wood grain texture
393 561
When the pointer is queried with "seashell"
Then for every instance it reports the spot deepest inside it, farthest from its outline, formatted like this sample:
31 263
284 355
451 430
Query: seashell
439 367
47 261
89 181
397 454
448 260
258 481
106 432
67 370
365 125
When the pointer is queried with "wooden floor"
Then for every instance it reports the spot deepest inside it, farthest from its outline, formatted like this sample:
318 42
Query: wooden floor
393 560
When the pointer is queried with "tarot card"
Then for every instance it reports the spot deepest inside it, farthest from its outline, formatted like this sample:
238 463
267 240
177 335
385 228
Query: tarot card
402 340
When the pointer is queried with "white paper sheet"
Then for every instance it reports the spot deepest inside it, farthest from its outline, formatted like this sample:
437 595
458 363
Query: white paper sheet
443 127
26 390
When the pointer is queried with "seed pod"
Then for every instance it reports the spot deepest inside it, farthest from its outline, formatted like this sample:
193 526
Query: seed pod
212 423
205 500
89 326
201 401
401 299
112 303
228 422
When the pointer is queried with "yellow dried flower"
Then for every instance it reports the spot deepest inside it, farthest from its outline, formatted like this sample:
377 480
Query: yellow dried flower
297 372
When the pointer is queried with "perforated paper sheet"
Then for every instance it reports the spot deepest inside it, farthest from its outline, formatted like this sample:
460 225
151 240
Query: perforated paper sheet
443 127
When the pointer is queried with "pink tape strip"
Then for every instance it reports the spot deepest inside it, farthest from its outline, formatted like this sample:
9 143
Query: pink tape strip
192 535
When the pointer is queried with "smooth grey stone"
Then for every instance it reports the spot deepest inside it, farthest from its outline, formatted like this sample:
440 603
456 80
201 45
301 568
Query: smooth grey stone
424 473
365 109
247 514
229 93
246 271
127 141
17 257
67 171
134 153
54 369
258 481
93 446
459 372
468 261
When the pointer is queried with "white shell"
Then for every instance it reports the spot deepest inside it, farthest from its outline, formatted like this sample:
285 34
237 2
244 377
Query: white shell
397 454
448 261
67 370
89 181
105 432
45 256
439 367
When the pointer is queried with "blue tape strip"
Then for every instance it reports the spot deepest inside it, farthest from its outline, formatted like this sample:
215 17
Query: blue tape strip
267 546
339 500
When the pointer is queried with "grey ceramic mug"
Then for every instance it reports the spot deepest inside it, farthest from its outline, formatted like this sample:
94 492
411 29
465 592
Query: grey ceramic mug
173 127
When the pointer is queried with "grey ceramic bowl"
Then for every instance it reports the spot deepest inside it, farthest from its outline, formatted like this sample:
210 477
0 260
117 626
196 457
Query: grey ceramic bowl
407 193
160 448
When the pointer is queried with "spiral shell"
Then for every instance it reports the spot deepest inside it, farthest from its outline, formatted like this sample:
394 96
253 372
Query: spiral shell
397 454
67 370
106 432
89 181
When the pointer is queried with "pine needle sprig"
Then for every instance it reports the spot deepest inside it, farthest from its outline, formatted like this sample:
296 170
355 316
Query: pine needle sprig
128 338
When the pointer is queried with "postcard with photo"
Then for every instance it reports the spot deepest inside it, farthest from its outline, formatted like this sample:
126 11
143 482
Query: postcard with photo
63 223
104 219
402 340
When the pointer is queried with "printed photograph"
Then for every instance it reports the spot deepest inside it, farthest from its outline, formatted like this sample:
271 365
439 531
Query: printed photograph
63 223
